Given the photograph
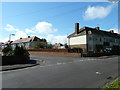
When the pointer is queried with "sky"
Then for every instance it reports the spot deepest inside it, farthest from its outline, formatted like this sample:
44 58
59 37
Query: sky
55 20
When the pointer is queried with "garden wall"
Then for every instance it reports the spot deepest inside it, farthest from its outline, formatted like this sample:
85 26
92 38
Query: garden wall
67 52
54 52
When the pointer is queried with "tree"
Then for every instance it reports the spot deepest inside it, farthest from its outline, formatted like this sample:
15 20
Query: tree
43 40
6 51
49 46
40 45
66 46
18 51
43 45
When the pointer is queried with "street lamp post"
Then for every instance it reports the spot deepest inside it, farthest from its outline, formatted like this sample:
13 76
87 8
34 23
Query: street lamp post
10 36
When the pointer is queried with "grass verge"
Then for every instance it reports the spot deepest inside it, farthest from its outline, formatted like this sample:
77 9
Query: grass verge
115 85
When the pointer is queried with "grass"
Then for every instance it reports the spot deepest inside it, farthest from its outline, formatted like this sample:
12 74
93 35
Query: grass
115 85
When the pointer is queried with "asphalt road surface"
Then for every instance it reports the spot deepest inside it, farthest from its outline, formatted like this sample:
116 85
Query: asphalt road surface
64 72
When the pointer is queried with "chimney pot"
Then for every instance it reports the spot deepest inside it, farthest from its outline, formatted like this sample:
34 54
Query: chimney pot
112 31
98 28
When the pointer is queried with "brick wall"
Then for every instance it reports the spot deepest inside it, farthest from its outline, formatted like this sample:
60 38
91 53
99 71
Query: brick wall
54 52
48 50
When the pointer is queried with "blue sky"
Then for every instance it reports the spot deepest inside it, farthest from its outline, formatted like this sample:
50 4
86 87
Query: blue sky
55 20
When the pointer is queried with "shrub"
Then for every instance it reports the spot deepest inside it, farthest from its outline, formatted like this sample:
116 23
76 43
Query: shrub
42 45
6 51
18 51
77 49
49 46
66 46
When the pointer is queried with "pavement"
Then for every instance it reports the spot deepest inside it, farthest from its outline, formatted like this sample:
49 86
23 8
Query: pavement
31 63
64 72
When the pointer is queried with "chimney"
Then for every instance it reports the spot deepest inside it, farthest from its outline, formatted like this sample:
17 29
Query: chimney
20 38
98 28
76 28
112 31
28 36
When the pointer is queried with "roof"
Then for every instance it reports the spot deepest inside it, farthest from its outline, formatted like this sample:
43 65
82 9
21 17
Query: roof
1 43
22 40
8 42
57 44
85 30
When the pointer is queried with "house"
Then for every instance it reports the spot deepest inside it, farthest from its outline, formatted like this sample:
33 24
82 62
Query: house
58 46
1 45
28 42
93 39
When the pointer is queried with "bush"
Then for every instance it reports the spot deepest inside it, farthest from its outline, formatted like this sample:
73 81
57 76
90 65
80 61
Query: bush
77 49
18 51
49 46
6 51
42 45
66 46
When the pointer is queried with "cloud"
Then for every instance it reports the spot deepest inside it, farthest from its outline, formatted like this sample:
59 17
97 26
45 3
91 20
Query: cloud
4 40
29 31
41 29
18 33
44 28
56 39
97 12
10 28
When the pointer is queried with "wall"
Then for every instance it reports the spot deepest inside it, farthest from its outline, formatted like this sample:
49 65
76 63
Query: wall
54 52
48 50
77 40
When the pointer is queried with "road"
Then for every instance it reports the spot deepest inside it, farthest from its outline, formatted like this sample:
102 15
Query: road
64 72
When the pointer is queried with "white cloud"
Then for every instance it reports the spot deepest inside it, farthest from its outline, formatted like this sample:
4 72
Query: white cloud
97 12
29 31
56 39
18 33
4 40
10 28
42 29
45 28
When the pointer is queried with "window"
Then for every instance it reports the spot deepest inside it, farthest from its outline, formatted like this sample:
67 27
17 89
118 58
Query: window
94 38
90 38
104 39
100 39
116 41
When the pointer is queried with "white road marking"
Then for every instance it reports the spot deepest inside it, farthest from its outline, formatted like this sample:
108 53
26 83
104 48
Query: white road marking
59 63
55 64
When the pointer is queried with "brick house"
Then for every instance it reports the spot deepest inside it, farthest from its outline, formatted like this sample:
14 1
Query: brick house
93 39
58 46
